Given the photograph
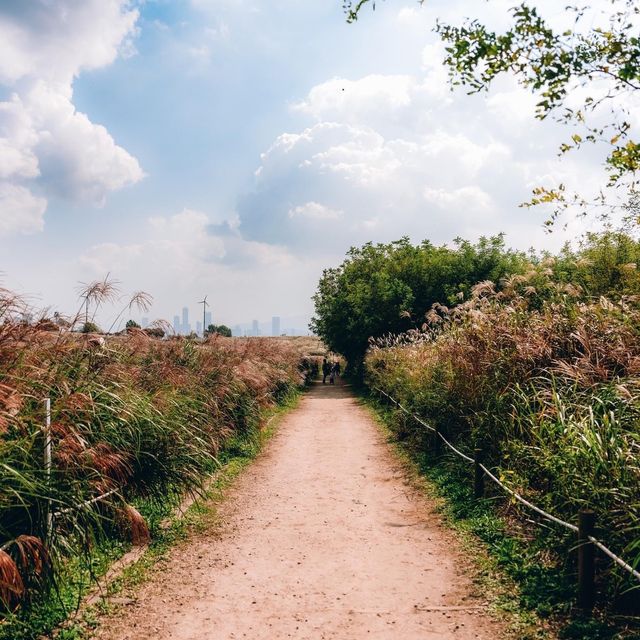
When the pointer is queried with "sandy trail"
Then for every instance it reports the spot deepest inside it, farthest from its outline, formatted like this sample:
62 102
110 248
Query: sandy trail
321 538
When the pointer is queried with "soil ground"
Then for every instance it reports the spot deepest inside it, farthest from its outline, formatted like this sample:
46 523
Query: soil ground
321 537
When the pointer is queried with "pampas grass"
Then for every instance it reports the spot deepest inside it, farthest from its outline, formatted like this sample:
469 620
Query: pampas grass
131 412
133 525
11 584
545 380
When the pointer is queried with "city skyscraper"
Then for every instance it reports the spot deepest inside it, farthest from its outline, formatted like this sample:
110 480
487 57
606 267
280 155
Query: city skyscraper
275 326
255 328
176 325
186 327
208 319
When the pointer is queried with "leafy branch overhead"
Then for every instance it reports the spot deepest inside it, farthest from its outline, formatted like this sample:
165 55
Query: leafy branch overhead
584 75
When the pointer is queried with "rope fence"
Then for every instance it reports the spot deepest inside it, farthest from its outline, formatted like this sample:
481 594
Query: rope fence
86 503
586 541
53 514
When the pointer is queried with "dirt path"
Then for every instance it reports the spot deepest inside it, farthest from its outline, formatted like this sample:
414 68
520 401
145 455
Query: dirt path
322 538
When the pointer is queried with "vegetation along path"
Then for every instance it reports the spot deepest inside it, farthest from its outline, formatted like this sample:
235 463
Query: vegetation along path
322 537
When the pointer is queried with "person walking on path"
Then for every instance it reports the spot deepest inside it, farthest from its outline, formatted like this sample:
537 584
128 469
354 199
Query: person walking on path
326 370
335 371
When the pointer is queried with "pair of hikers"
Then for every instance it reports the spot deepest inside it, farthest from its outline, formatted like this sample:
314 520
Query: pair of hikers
331 370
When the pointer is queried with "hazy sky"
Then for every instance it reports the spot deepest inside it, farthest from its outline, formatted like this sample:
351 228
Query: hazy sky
236 148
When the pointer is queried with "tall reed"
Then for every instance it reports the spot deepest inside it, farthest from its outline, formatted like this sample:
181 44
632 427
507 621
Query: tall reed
545 380
132 416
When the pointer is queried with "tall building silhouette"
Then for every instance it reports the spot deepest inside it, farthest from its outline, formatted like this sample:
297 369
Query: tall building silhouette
275 326
176 325
186 327
255 328
207 319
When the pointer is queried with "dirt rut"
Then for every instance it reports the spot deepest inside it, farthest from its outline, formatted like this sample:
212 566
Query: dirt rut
321 538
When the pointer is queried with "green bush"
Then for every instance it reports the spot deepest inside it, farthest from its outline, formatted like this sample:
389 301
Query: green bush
388 288
545 379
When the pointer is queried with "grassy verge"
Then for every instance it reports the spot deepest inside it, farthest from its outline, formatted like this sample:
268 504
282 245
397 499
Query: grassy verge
530 587
60 614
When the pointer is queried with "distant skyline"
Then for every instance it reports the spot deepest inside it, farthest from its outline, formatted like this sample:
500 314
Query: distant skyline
240 147
186 322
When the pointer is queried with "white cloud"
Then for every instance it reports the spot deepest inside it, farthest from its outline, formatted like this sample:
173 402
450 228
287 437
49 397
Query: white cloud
46 145
55 41
390 104
463 199
182 253
20 210
352 99
396 156
17 139
316 211
184 246
78 159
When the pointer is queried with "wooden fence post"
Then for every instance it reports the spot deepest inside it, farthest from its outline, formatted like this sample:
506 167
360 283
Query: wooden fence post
478 475
48 447
586 561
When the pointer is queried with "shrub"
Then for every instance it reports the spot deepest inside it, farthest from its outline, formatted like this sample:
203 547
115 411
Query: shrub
543 378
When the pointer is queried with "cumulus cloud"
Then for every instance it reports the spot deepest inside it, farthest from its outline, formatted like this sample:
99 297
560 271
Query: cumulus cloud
184 246
392 155
47 146
55 41
356 185
183 253
315 210
20 210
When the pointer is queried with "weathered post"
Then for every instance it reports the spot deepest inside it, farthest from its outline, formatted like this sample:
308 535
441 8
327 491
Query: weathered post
478 475
586 561
48 446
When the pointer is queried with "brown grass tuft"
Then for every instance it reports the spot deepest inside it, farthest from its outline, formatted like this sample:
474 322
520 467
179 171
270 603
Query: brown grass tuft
133 525
11 585
33 559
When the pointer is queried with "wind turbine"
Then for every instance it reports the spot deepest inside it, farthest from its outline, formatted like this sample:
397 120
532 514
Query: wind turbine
204 304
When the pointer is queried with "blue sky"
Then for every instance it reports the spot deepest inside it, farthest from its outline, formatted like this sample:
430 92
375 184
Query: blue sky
236 148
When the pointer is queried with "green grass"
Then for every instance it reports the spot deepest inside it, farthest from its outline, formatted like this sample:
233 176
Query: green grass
60 612
530 587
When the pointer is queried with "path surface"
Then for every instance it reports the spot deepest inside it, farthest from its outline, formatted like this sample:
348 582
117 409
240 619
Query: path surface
321 538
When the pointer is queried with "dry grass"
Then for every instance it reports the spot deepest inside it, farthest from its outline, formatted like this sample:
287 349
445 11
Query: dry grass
546 381
131 413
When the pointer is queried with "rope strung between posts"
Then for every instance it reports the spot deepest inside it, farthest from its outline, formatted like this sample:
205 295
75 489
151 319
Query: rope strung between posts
462 455
412 415
518 497
86 503
424 424
619 561
62 512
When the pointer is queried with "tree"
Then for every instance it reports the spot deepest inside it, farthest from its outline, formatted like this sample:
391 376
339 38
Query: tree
132 324
598 55
90 327
220 329
388 288
605 264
